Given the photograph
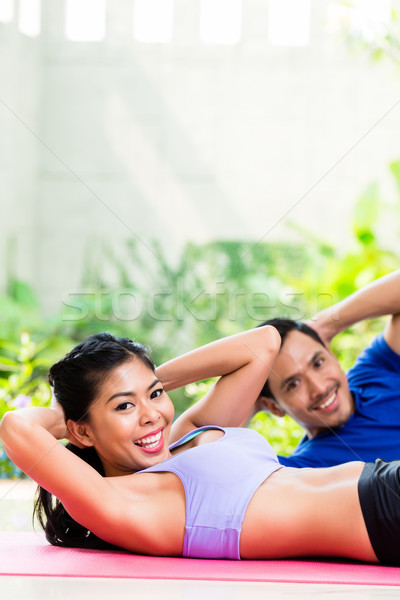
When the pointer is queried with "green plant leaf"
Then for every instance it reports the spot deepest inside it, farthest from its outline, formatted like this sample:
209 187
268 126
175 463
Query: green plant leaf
395 170
365 215
8 364
22 293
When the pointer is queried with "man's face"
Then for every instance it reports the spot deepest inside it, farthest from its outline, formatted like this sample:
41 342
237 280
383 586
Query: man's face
309 385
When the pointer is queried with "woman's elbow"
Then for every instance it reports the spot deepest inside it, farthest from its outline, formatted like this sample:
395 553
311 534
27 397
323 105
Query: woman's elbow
271 341
10 426
4 424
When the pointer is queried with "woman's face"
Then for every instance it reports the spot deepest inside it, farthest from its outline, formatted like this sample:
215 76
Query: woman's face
129 421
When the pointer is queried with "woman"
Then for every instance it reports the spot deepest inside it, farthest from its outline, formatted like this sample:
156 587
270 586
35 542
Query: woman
217 493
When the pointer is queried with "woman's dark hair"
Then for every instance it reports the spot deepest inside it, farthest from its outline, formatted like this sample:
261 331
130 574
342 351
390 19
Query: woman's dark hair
75 381
284 327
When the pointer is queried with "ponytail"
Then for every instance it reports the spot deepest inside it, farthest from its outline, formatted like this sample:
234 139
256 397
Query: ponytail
59 527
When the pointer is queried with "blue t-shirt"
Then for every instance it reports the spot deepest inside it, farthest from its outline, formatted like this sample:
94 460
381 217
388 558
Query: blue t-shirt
373 430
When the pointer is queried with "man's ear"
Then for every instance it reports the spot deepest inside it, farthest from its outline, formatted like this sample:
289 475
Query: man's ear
80 434
267 403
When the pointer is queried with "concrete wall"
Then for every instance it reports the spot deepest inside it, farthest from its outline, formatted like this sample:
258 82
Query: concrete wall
182 141
20 148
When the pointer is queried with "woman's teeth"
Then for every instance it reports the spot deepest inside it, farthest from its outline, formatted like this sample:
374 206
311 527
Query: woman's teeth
151 441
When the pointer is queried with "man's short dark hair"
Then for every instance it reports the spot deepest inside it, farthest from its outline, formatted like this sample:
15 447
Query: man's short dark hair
284 327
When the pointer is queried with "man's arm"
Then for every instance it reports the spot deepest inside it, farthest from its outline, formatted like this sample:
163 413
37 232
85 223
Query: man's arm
379 298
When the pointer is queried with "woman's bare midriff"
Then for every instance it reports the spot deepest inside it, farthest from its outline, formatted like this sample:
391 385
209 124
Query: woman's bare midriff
295 512
307 512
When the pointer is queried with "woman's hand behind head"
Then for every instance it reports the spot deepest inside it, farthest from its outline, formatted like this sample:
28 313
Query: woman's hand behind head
69 435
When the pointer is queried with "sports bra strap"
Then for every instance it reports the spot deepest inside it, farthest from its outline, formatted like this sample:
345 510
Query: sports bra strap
192 434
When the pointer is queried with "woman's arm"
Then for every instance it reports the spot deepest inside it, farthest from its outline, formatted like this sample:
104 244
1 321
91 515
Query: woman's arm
23 431
242 361
379 298
30 438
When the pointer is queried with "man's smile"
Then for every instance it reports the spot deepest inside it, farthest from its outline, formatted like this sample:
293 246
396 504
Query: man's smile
330 403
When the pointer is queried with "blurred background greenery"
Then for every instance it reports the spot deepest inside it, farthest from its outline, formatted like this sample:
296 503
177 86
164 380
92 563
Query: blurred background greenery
214 290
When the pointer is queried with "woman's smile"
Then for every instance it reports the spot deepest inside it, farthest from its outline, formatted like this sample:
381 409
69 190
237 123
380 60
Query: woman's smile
152 442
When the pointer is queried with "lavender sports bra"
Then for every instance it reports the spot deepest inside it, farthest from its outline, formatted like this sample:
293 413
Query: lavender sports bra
219 479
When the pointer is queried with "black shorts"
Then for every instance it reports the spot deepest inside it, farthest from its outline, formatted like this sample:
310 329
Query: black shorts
379 494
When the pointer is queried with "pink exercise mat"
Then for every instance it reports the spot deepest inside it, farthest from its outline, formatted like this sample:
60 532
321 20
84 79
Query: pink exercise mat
30 554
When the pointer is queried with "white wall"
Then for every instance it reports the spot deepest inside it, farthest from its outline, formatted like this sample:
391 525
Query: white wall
19 152
183 141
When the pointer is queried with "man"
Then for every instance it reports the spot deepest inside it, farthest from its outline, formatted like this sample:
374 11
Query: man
353 417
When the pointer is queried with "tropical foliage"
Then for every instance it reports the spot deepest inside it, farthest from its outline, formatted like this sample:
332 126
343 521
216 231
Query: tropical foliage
211 291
